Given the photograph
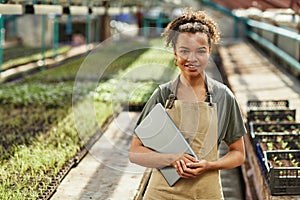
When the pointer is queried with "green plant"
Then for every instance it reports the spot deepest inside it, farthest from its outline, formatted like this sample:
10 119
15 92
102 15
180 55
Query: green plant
34 57
270 146
39 132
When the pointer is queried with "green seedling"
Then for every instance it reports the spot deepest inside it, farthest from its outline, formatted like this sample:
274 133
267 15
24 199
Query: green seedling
295 162
270 146
290 118
284 145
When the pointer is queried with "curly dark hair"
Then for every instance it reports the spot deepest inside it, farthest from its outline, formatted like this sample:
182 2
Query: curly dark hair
192 21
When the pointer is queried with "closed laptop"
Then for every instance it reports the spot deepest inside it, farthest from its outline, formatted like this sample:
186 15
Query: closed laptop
158 132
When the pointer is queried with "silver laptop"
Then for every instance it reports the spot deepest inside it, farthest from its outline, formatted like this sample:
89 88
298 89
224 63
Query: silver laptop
158 132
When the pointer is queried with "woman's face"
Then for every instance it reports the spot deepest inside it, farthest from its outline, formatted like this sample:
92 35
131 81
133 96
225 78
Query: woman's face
192 53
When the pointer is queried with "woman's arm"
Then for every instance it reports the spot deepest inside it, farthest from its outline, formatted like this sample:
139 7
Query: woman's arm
144 156
235 157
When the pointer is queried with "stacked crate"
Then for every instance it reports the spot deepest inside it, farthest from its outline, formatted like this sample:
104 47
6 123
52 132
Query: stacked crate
275 136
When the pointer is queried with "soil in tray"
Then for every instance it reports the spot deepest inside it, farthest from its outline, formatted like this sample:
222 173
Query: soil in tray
284 163
289 158
279 115
269 146
276 127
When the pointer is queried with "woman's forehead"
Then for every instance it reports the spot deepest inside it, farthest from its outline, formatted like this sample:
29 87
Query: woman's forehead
192 39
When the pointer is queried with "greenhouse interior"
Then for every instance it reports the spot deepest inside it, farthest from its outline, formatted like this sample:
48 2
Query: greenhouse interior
78 77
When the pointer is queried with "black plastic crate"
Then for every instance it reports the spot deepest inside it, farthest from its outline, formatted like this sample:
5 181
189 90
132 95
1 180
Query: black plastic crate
278 115
267 104
273 127
282 180
292 140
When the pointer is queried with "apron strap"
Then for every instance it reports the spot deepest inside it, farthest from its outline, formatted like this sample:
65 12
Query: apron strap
172 97
208 94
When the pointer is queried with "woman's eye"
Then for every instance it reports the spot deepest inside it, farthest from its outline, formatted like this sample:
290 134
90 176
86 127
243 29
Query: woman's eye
202 51
184 51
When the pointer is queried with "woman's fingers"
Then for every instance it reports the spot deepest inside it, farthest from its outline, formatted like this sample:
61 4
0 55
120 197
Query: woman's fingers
191 169
183 170
187 158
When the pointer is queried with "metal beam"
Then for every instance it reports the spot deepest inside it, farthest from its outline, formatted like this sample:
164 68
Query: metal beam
47 9
11 9
274 29
274 49
1 40
44 9
79 10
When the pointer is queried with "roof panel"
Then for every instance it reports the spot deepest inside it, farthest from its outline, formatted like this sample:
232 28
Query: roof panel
260 4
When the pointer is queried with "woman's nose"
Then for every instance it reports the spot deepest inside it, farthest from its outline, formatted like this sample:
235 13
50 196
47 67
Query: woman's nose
191 57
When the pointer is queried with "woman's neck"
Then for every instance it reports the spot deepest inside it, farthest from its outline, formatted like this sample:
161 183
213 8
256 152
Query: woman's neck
193 81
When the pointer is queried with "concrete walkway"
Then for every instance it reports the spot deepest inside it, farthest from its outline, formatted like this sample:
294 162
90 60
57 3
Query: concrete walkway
105 172
253 76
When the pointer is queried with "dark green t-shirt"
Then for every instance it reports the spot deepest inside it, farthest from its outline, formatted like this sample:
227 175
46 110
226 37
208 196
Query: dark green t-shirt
230 122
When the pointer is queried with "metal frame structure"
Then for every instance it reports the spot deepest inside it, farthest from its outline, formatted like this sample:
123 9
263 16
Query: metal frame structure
61 7
275 30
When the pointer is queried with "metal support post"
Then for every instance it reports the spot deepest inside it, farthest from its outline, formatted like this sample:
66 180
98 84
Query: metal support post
97 29
43 39
159 23
14 26
69 28
236 27
88 29
55 35
88 26
145 28
1 40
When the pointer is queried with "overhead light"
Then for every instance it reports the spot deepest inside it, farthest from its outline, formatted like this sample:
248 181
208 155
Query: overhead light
125 10
98 10
134 9
47 9
114 11
11 9
79 10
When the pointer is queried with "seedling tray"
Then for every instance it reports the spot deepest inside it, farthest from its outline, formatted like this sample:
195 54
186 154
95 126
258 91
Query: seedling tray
279 141
280 145
282 180
278 115
267 104
273 127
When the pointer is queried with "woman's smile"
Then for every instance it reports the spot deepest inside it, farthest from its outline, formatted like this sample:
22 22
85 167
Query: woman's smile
191 67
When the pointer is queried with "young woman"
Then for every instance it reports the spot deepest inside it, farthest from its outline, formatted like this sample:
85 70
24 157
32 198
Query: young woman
203 109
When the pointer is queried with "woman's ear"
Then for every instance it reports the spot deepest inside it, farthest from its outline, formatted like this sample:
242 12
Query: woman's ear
174 51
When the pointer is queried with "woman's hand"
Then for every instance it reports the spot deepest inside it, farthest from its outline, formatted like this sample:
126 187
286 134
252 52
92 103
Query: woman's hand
235 157
184 157
191 169
146 157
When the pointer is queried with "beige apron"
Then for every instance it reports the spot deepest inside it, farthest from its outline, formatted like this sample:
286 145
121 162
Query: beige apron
199 124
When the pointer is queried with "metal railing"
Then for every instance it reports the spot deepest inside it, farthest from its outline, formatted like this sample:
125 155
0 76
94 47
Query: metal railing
273 46
254 29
